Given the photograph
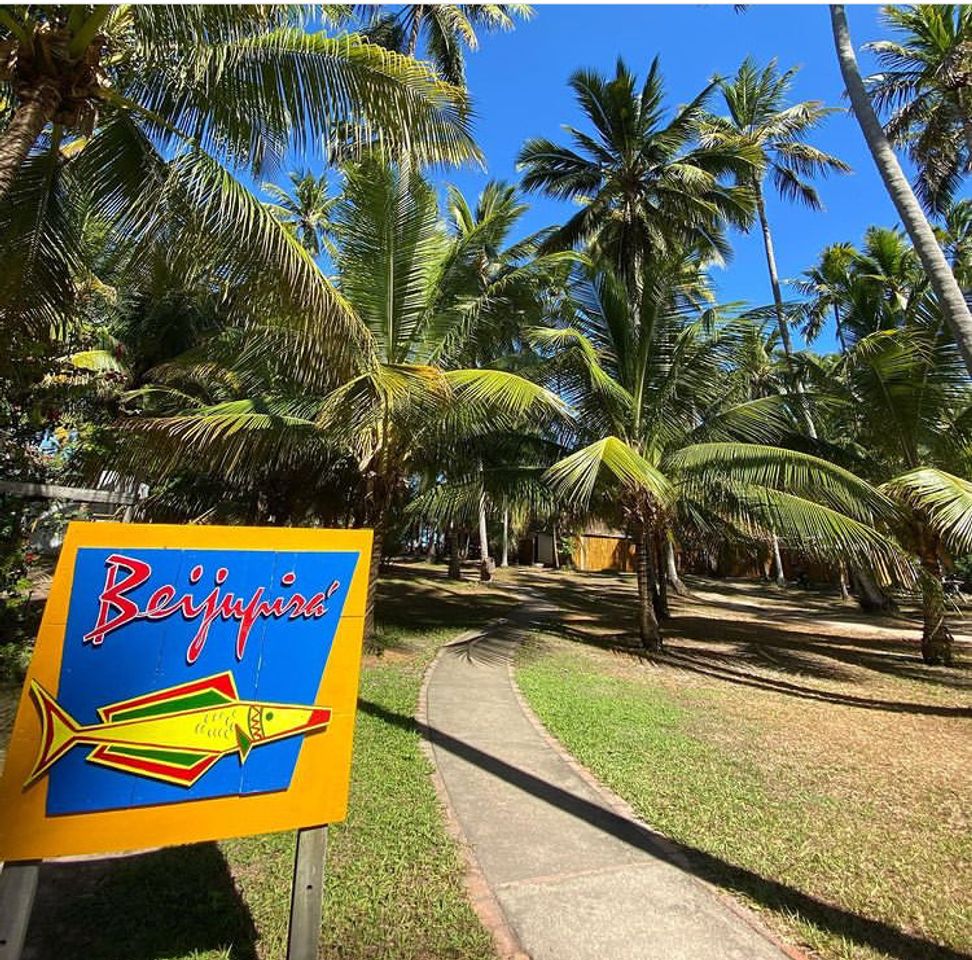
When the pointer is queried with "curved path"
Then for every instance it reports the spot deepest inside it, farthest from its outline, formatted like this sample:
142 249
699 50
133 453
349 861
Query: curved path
574 877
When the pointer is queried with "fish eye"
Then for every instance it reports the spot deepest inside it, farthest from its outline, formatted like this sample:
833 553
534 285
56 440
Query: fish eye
269 715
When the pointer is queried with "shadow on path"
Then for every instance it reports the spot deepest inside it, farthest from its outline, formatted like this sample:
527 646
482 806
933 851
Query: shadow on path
769 893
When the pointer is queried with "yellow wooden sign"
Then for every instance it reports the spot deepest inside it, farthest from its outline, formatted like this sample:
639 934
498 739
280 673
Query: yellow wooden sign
189 683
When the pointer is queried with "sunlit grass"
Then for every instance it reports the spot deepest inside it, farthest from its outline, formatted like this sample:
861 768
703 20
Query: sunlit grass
812 837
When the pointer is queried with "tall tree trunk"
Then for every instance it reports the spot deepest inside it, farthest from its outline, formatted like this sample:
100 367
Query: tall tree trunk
936 638
433 537
455 565
671 568
556 551
842 572
485 561
870 596
840 329
781 321
648 629
778 574
947 290
505 555
373 573
660 581
35 110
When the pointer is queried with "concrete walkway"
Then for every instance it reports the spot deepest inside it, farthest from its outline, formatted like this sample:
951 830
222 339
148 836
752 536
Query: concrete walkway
574 878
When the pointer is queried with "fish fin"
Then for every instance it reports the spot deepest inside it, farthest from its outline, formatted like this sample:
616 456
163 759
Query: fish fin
181 767
59 731
207 692
243 742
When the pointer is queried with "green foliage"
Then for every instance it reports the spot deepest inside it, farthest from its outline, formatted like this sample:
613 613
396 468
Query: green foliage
924 87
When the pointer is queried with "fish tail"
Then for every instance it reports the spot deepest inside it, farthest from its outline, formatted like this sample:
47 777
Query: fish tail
59 731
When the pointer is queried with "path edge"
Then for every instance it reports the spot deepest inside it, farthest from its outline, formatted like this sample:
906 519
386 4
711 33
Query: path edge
480 894
622 808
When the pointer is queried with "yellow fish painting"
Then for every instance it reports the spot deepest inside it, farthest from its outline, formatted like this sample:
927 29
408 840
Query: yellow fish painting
174 735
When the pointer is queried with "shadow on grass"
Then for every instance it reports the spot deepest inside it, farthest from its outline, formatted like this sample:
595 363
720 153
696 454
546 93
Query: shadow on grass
770 894
600 611
417 600
167 903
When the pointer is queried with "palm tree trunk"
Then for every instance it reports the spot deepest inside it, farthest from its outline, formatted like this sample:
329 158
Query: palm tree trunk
840 329
556 552
671 567
778 574
648 629
842 572
950 298
373 572
781 321
870 596
936 638
485 561
505 555
660 581
452 545
35 110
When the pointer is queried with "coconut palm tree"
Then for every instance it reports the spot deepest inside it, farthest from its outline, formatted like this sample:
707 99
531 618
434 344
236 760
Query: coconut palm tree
925 86
943 282
442 30
643 183
663 439
907 410
305 208
824 286
875 288
760 116
149 115
407 281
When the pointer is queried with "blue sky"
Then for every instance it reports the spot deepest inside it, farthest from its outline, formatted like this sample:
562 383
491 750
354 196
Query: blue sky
518 82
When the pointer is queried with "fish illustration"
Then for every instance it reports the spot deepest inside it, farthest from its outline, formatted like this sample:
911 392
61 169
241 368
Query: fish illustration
174 735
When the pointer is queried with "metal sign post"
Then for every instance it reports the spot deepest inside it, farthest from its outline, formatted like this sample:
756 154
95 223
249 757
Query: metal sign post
18 884
307 894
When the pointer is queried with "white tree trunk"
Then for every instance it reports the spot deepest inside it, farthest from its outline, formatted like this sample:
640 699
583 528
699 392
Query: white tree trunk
671 566
778 563
781 321
505 556
947 290
485 562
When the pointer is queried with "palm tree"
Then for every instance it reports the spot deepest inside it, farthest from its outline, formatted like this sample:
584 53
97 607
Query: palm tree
147 115
824 285
940 276
443 29
907 409
305 208
955 237
663 439
926 87
761 117
407 281
878 287
644 186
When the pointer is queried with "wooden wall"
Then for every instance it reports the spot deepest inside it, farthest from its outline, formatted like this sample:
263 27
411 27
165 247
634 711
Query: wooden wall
595 552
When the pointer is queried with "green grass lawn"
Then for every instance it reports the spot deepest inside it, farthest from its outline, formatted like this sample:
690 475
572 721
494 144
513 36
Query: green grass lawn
826 788
394 887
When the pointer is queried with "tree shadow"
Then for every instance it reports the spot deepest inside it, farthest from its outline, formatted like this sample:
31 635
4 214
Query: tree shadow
776 637
148 906
424 606
771 894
